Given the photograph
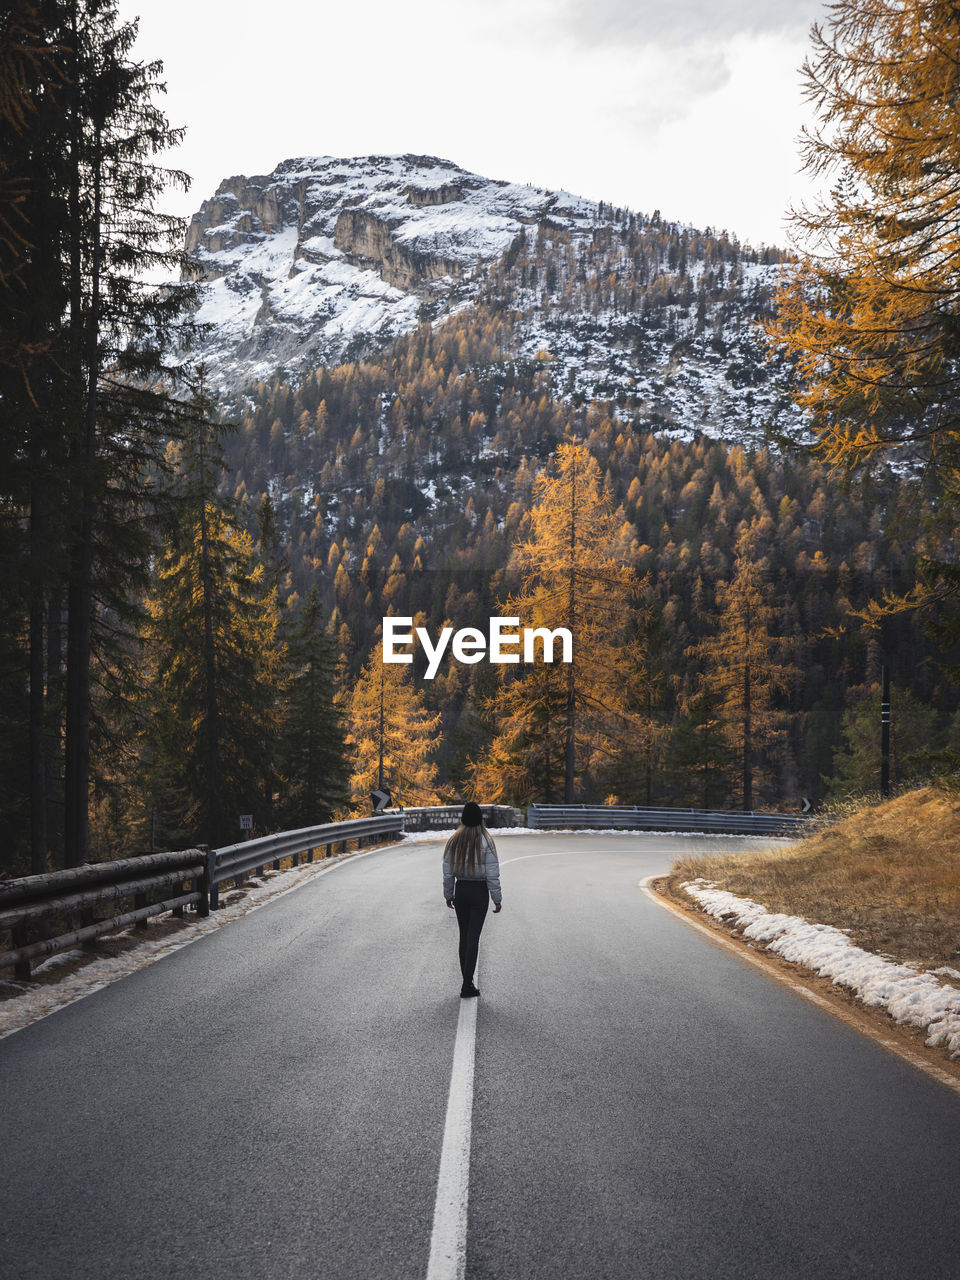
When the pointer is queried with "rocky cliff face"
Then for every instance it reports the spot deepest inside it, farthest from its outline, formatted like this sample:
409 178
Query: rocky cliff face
304 264
324 260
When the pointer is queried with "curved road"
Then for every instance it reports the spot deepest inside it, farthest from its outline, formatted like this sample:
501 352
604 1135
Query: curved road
270 1101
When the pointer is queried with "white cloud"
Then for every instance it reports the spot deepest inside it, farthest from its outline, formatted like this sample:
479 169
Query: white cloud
683 107
680 20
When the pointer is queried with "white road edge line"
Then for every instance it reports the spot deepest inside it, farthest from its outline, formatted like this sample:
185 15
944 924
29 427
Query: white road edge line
448 1240
901 1051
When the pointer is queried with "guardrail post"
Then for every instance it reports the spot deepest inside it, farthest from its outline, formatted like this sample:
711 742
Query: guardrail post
21 967
87 917
211 873
203 883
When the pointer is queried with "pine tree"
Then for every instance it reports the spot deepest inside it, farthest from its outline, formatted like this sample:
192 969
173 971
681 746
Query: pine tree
116 335
872 316
392 736
744 669
84 413
912 741
312 755
570 579
31 301
215 701
698 760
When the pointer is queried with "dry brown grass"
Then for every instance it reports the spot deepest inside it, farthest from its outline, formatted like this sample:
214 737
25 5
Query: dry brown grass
889 872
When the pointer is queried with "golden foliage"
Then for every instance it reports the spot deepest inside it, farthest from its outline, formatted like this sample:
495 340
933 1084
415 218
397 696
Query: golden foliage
873 315
386 712
744 671
556 721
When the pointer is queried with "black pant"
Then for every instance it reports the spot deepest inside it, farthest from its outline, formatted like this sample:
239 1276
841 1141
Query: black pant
470 901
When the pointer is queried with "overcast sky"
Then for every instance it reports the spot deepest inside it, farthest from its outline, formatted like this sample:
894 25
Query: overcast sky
689 106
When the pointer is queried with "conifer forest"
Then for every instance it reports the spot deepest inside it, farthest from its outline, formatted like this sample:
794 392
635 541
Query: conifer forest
195 577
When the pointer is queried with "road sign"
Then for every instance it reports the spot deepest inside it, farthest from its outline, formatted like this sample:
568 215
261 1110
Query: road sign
806 805
246 822
380 800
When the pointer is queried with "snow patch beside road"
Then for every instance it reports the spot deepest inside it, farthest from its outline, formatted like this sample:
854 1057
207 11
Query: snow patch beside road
910 995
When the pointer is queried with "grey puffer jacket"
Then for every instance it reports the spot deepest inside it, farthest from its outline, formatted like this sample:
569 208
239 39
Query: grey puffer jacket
491 872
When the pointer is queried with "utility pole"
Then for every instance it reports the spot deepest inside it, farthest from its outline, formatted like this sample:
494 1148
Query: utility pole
885 731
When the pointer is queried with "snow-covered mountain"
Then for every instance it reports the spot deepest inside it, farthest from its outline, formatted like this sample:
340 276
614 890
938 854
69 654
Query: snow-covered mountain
302 262
327 259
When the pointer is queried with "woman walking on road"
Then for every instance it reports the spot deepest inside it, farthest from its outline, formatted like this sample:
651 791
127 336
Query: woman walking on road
471 877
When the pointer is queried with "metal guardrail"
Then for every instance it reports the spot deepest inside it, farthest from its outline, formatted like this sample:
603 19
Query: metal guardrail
60 906
235 860
639 819
447 815
47 913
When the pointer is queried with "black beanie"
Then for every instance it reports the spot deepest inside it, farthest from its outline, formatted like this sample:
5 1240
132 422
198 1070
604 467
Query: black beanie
472 815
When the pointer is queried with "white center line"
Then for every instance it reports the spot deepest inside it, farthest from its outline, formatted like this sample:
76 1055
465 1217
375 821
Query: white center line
448 1242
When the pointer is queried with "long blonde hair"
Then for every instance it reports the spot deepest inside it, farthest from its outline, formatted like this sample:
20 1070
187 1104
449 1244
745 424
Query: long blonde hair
465 848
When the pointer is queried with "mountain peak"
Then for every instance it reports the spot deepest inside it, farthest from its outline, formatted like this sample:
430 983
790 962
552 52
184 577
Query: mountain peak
301 263
325 260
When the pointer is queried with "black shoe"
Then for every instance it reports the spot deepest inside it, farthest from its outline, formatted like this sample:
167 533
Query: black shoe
468 989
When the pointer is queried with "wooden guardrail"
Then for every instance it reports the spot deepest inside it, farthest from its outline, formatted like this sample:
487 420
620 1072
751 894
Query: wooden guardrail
633 817
45 914
41 915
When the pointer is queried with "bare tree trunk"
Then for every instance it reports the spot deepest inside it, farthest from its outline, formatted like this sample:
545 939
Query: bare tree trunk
54 723
37 719
747 742
569 776
380 767
212 716
80 592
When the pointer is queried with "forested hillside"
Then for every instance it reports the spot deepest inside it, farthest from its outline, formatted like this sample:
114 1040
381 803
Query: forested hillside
388 386
402 484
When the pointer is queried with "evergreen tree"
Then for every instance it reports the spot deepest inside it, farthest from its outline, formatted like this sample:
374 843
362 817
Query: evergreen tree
526 759
744 670
218 665
571 579
698 763
312 756
116 333
85 415
29 78
392 736
913 734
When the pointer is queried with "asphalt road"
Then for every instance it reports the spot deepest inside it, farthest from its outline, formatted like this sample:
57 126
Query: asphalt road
269 1102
